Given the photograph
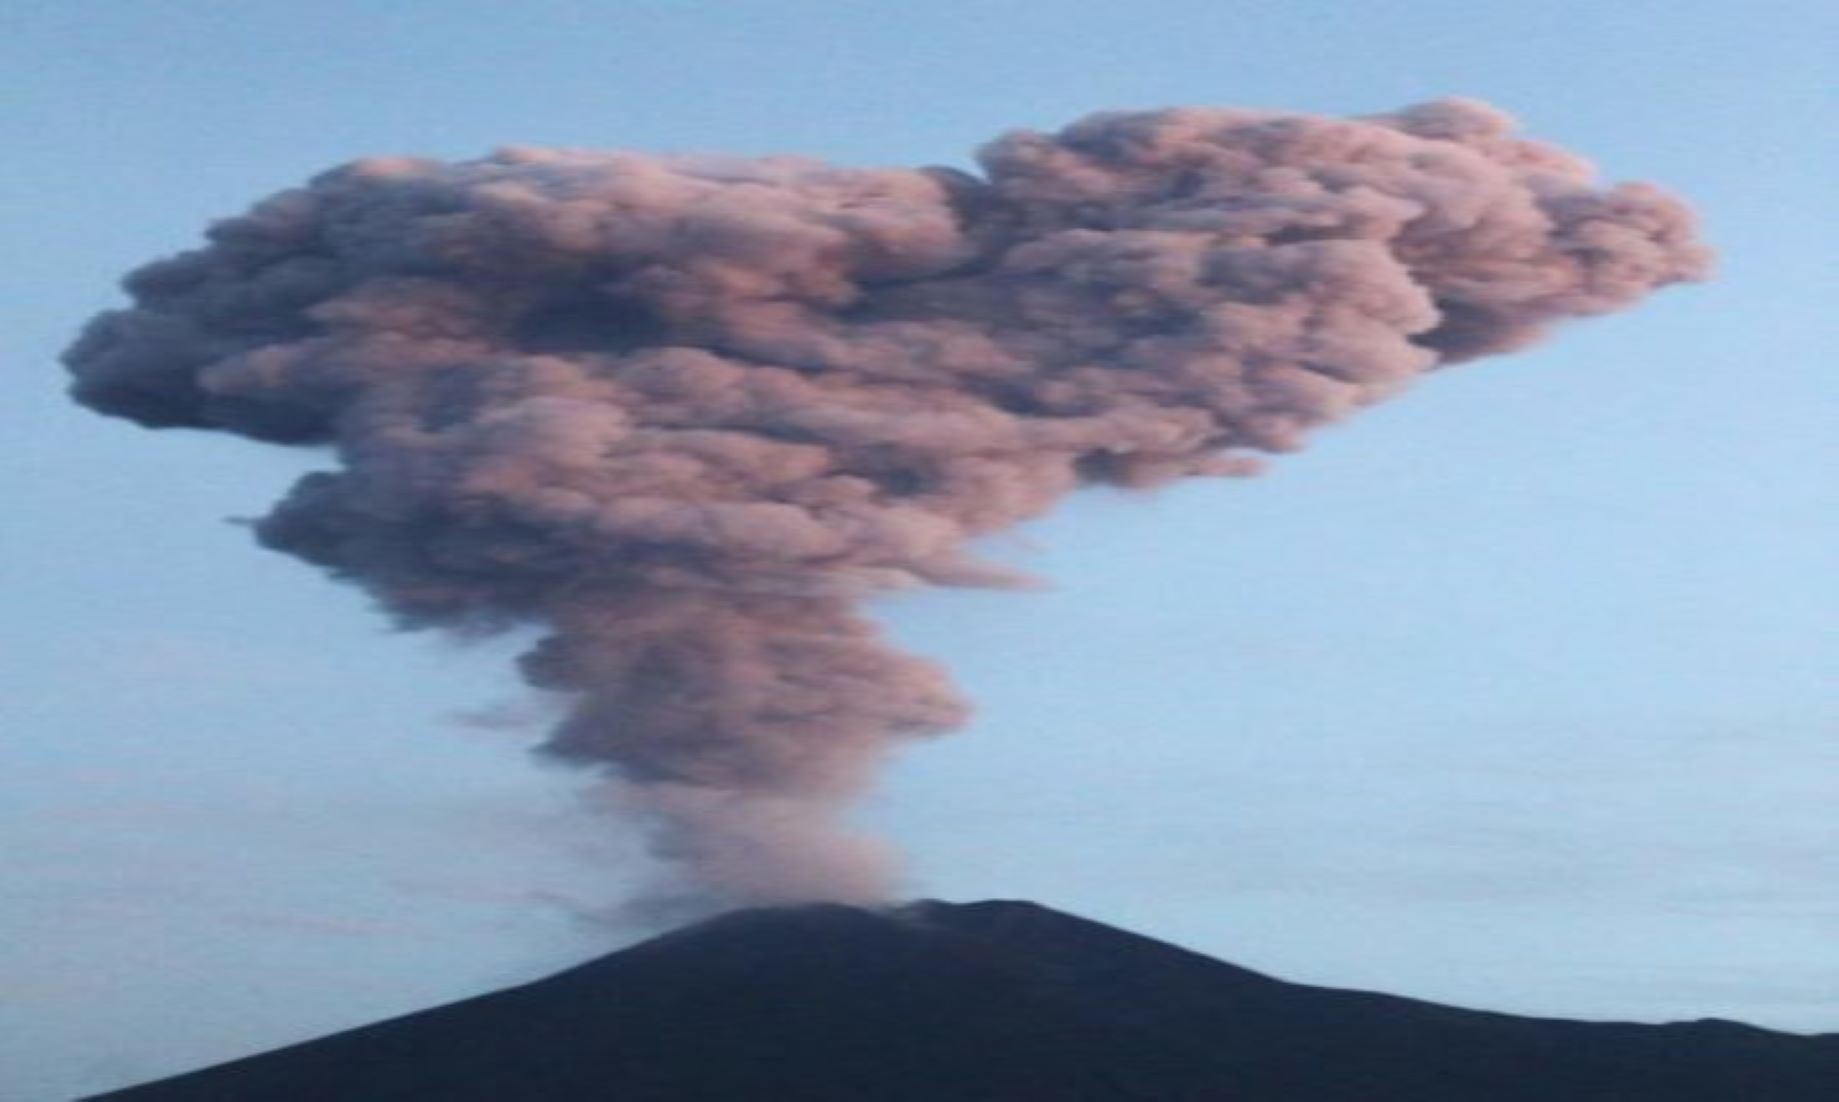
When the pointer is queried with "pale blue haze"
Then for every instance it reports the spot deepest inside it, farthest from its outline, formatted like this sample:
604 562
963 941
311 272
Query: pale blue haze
1509 694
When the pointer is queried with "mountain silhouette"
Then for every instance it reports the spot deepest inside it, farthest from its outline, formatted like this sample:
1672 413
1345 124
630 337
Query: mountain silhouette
987 1002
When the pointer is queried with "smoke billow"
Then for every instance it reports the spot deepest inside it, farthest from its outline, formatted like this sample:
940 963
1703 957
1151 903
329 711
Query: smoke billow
686 413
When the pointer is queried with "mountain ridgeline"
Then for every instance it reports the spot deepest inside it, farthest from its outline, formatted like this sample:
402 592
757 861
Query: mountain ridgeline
987 1002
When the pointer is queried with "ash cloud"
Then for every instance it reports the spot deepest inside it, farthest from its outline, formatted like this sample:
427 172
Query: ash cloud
688 413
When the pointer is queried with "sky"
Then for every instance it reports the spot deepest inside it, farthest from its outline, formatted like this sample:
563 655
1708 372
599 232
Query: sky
1507 694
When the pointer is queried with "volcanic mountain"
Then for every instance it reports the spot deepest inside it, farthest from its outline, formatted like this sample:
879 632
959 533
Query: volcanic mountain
987 1002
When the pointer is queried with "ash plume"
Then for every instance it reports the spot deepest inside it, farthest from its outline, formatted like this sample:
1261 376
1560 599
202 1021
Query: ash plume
687 413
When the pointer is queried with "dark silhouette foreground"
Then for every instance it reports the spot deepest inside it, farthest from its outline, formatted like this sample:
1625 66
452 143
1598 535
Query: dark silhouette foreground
983 1002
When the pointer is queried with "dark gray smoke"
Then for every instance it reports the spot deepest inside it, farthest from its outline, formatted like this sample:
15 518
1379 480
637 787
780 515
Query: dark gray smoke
687 413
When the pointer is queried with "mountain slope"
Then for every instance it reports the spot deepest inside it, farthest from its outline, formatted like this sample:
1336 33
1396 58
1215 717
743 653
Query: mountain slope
987 1002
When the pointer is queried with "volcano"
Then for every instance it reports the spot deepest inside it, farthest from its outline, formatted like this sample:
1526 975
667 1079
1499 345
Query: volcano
987 1002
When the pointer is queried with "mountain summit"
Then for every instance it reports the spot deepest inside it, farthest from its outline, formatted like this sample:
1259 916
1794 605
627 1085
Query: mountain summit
986 1002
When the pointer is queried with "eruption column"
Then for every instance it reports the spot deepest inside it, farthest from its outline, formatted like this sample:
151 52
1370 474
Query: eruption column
687 413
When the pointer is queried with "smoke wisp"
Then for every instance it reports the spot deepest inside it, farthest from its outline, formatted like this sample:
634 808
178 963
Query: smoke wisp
686 413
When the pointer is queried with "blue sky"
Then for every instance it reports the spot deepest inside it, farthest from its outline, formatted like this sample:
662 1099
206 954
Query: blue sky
1507 694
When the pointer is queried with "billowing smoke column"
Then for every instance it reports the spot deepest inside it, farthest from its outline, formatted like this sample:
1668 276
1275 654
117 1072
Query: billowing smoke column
687 413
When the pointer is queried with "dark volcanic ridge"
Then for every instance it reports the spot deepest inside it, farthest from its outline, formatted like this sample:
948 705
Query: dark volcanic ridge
980 1002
